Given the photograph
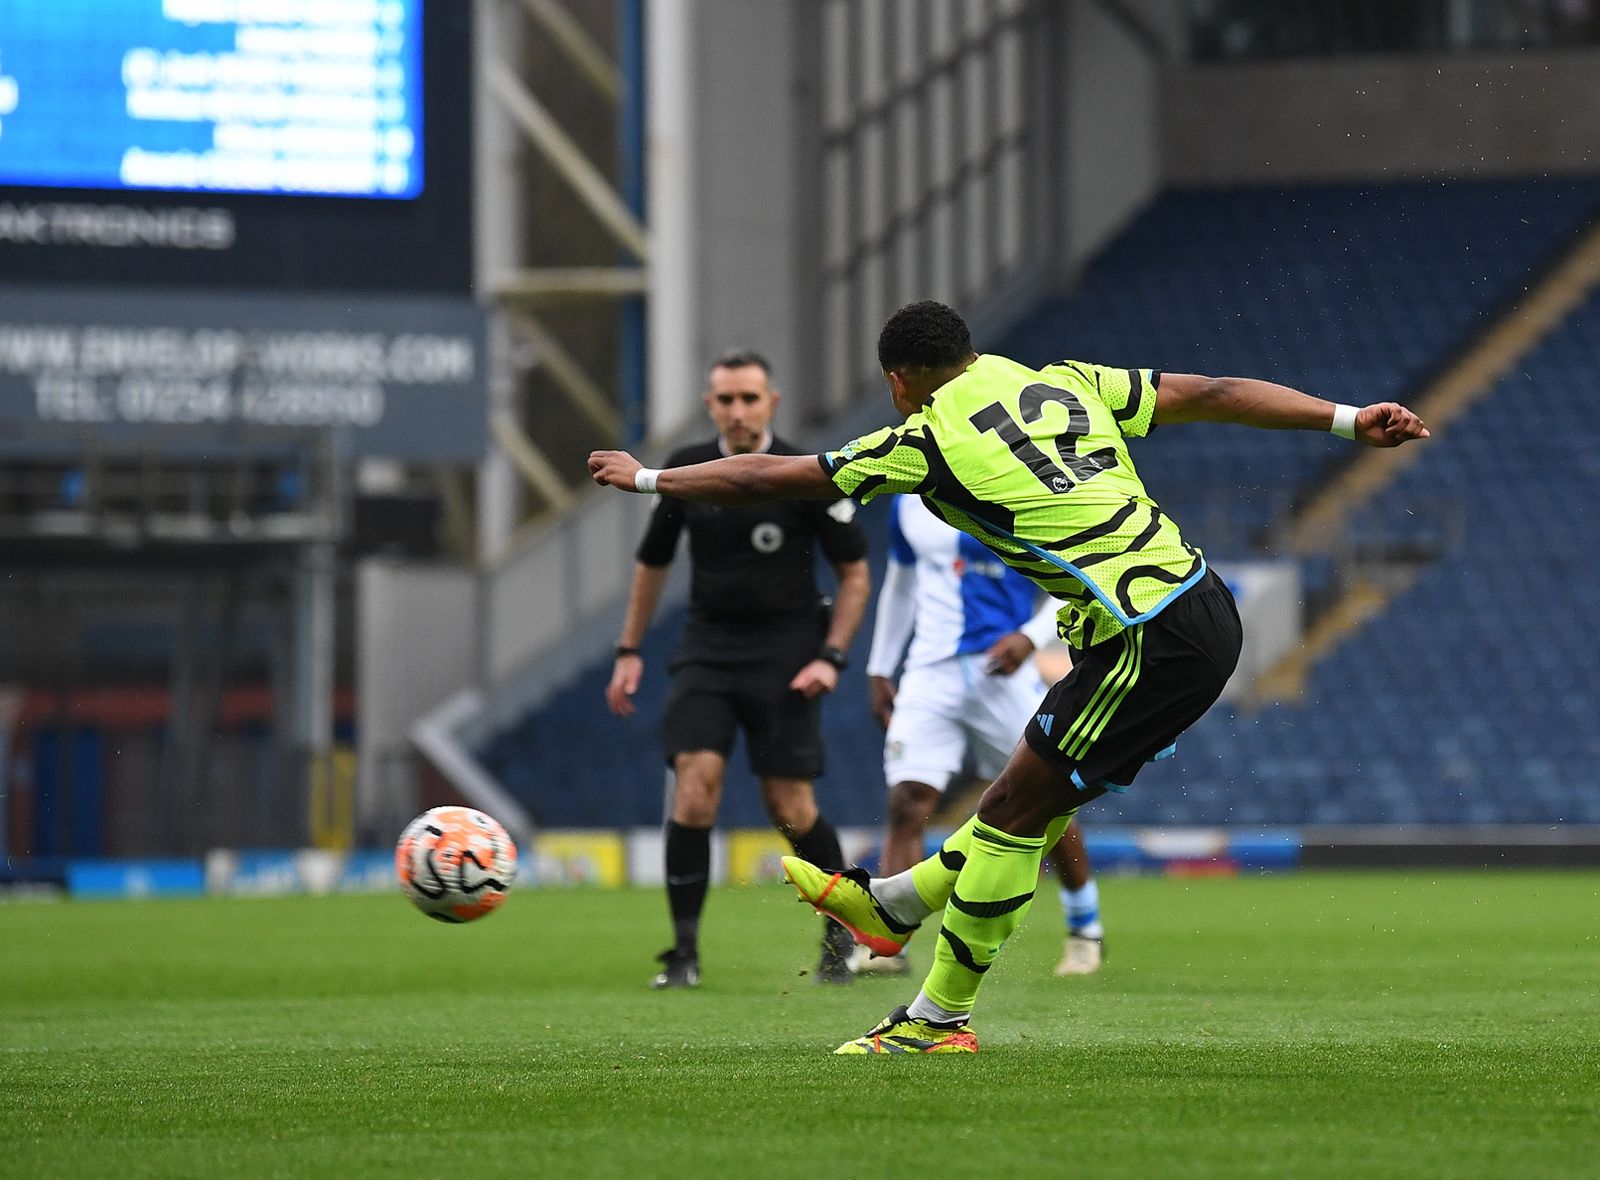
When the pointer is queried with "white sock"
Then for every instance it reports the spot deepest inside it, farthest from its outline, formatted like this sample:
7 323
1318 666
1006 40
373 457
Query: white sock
923 1008
900 898
1081 908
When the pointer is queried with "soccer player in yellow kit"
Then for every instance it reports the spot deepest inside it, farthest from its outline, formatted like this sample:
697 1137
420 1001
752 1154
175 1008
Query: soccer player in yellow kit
1035 464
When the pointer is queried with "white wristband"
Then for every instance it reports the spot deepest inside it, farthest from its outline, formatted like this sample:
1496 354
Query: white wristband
1344 421
644 480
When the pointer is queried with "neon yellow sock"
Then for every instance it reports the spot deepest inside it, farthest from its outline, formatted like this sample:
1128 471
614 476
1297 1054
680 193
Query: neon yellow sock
935 877
1057 826
992 894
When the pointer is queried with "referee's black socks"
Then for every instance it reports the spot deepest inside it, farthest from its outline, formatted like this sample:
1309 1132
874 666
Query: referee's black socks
688 873
820 846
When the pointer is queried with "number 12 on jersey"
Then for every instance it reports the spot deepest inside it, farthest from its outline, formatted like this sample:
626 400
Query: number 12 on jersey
1073 468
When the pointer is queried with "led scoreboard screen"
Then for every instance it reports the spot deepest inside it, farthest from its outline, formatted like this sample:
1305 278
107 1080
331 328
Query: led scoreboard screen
245 96
263 144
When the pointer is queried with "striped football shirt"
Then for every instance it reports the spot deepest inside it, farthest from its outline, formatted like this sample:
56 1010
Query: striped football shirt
1035 464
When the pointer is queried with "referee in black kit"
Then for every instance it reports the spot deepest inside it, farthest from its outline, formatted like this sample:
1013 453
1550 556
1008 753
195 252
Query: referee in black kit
759 651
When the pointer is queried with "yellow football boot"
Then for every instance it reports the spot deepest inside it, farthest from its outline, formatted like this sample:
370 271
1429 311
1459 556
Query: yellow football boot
846 898
902 1033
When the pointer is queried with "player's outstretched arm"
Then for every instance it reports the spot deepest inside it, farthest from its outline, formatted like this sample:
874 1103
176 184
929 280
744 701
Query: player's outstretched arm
736 479
1188 397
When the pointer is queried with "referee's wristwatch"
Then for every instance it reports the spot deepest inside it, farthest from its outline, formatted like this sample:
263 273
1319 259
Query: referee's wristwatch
836 656
624 649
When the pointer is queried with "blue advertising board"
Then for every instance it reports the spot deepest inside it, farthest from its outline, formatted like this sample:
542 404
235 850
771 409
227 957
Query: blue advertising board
135 878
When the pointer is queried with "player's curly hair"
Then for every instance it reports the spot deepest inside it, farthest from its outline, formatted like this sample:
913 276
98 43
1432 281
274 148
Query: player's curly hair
923 335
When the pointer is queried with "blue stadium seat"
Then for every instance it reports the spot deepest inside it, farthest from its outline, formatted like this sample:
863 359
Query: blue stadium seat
1354 292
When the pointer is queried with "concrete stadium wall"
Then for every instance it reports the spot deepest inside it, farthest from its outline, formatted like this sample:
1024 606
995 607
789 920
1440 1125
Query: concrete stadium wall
1113 59
726 186
1381 118
417 642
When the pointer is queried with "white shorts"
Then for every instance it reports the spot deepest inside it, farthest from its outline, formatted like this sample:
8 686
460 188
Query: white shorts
943 710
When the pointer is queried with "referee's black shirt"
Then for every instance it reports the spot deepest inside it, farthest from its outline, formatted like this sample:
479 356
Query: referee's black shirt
752 567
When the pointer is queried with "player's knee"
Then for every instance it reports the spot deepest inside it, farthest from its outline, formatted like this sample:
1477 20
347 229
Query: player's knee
1013 809
910 806
997 813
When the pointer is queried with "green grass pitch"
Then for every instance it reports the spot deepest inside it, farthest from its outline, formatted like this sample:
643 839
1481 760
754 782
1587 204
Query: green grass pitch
1314 1025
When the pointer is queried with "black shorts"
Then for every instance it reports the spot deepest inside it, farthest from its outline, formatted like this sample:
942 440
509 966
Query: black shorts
1126 700
707 703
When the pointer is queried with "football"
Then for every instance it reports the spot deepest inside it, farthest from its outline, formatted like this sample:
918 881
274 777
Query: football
455 863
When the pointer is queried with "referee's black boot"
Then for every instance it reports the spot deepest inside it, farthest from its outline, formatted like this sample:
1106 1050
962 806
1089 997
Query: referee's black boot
834 966
680 967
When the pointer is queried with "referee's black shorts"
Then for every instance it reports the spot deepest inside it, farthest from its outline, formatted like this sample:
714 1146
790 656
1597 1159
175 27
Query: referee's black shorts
710 700
1127 699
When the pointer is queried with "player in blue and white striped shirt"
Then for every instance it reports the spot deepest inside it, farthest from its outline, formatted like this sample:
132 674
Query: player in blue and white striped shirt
962 627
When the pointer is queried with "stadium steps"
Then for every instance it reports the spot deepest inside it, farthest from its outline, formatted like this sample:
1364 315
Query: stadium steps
1471 377
1365 599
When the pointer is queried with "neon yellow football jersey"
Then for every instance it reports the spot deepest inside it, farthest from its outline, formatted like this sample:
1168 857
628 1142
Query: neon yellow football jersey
1035 464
